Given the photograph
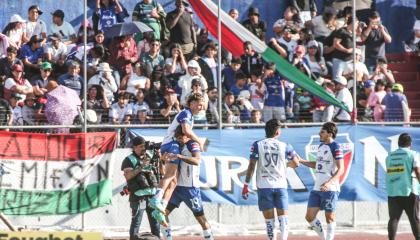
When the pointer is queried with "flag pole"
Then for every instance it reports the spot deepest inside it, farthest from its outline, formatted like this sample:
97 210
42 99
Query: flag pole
84 124
219 63
354 113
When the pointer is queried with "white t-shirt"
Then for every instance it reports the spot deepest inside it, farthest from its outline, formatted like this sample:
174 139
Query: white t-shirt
109 86
10 82
189 175
17 116
135 80
257 101
178 68
345 97
184 83
16 35
35 28
326 165
120 112
56 52
315 66
416 28
272 156
291 46
65 30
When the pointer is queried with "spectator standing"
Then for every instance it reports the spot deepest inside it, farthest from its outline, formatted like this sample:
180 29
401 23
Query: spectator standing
152 58
203 41
307 8
287 41
275 100
343 95
343 49
208 64
63 28
402 187
72 79
182 29
254 24
323 25
124 52
34 25
107 11
149 12
375 36
14 30
287 21
396 105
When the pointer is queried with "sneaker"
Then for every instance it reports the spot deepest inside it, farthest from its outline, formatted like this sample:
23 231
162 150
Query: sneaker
157 204
160 217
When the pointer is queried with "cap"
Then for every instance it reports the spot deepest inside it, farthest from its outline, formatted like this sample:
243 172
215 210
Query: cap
253 11
195 81
91 116
312 43
193 64
45 65
138 141
12 49
55 36
17 95
104 67
16 18
169 91
142 108
58 13
341 80
369 84
398 87
36 7
17 68
300 49
244 94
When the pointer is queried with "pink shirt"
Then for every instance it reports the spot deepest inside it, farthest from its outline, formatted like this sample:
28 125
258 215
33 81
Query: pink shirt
375 100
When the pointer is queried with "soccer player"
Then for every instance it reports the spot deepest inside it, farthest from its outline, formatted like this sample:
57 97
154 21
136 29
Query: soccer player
328 167
272 157
187 189
167 184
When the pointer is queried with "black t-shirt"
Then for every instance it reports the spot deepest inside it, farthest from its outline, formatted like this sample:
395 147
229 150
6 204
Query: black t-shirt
182 31
128 164
346 41
258 29
375 44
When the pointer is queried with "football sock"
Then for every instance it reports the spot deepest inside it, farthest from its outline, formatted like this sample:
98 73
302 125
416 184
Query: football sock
166 232
330 231
208 235
284 226
317 226
270 226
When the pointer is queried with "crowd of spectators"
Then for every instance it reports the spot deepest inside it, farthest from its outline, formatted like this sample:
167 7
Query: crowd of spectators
146 78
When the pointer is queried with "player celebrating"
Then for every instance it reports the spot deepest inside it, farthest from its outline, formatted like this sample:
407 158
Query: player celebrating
187 189
184 119
328 167
272 157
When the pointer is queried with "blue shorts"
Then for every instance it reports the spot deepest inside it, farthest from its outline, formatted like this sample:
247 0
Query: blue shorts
170 148
269 198
324 200
191 196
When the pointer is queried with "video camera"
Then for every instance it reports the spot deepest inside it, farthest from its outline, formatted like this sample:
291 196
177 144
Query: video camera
150 174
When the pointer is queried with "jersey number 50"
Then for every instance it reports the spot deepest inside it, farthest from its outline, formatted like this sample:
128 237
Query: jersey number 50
271 158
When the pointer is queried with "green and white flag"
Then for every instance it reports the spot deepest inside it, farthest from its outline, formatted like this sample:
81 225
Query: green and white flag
50 174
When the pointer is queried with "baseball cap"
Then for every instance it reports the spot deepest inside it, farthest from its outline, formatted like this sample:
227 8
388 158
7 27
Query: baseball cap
17 68
195 81
46 65
142 108
193 64
341 80
253 11
55 36
17 96
58 13
138 141
369 84
398 87
16 18
312 43
169 91
36 7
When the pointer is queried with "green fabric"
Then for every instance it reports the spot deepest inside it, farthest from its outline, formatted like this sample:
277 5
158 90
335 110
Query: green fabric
42 202
399 170
145 192
297 77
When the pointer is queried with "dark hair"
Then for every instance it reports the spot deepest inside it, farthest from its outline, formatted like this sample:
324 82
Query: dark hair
178 131
404 140
247 43
194 97
138 141
271 127
99 91
330 127
374 14
240 75
9 27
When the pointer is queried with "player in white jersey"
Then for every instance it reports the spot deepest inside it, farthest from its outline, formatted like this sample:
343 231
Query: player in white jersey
167 184
188 187
272 158
329 166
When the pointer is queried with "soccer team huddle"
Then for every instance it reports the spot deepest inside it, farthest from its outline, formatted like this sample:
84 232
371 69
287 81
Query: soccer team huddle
181 151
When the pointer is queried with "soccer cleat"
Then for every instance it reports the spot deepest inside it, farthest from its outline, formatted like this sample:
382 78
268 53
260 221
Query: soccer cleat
160 217
156 203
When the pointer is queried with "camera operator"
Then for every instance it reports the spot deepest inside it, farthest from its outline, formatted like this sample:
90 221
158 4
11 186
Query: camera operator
141 183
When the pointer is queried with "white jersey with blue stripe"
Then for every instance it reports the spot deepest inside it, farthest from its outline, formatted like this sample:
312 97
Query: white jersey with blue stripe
185 116
189 175
326 165
272 156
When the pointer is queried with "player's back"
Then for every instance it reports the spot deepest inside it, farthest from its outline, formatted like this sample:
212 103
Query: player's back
272 157
189 174
185 116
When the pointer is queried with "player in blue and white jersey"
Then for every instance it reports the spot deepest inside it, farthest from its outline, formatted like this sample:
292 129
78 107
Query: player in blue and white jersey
272 158
188 187
184 120
329 166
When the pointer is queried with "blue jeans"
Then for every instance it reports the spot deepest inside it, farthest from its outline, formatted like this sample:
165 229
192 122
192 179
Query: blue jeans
136 217
338 67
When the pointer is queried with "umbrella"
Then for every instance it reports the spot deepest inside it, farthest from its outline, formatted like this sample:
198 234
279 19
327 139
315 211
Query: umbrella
62 106
127 28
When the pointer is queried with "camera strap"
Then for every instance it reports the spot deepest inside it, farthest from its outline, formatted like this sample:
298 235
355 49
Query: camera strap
133 160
